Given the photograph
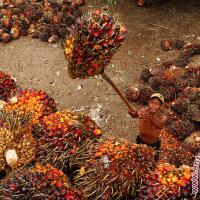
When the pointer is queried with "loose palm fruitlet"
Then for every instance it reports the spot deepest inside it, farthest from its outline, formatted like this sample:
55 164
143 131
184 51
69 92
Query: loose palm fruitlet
38 183
92 44
113 168
174 151
39 103
8 86
17 146
167 182
61 134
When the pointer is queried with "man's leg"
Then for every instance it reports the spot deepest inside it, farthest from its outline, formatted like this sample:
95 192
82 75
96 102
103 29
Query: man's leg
138 140
157 148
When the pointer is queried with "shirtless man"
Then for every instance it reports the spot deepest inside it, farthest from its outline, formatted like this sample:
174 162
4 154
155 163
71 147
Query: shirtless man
151 122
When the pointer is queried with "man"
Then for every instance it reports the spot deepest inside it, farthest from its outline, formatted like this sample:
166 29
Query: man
151 122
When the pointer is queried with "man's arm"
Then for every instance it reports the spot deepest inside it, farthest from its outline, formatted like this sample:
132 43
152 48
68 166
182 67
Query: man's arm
159 121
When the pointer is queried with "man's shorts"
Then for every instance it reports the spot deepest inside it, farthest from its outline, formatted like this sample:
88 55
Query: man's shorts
156 145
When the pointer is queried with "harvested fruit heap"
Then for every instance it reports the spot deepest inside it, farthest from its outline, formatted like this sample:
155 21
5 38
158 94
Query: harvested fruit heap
61 134
167 182
113 168
7 86
44 20
175 152
17 146
36 102
92 44
187 114
193 142
38 183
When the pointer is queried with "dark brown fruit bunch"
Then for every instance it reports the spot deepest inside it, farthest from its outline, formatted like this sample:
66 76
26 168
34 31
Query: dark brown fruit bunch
8 86
145 75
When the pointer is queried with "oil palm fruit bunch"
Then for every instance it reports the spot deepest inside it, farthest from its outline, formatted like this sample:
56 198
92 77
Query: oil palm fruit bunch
181 129
145 75
39 103
8 86
61 134
93 42
167 182
38 183
193 142
180 105
191 93
17 146
174 151
112 168
139 94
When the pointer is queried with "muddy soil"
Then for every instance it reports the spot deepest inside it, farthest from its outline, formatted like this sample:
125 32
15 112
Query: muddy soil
43 66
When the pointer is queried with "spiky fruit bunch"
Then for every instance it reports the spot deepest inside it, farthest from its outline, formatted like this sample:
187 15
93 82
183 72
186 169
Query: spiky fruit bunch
112 168
138 94
193 142
170 74
191 93
181 129
7 86
174 152
169 93
17 146
146 75
167 182
39 103
39 182
61 134
180 106
94 41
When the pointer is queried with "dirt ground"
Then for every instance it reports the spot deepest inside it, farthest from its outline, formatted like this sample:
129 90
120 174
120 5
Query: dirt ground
43 66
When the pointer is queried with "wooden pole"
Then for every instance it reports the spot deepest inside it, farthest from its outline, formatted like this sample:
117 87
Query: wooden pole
107 78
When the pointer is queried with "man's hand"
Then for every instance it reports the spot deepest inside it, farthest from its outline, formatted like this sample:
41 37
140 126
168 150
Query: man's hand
133 113
144 114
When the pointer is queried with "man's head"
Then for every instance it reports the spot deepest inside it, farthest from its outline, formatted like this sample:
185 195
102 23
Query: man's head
155 102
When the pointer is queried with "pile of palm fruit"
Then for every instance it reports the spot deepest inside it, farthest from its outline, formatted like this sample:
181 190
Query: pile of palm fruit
167 182
61 134
113 168
174 151
39 103
32 129
44 20
38 182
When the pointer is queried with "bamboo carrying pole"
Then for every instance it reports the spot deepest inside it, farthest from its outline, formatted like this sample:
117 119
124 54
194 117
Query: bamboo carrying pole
107 78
